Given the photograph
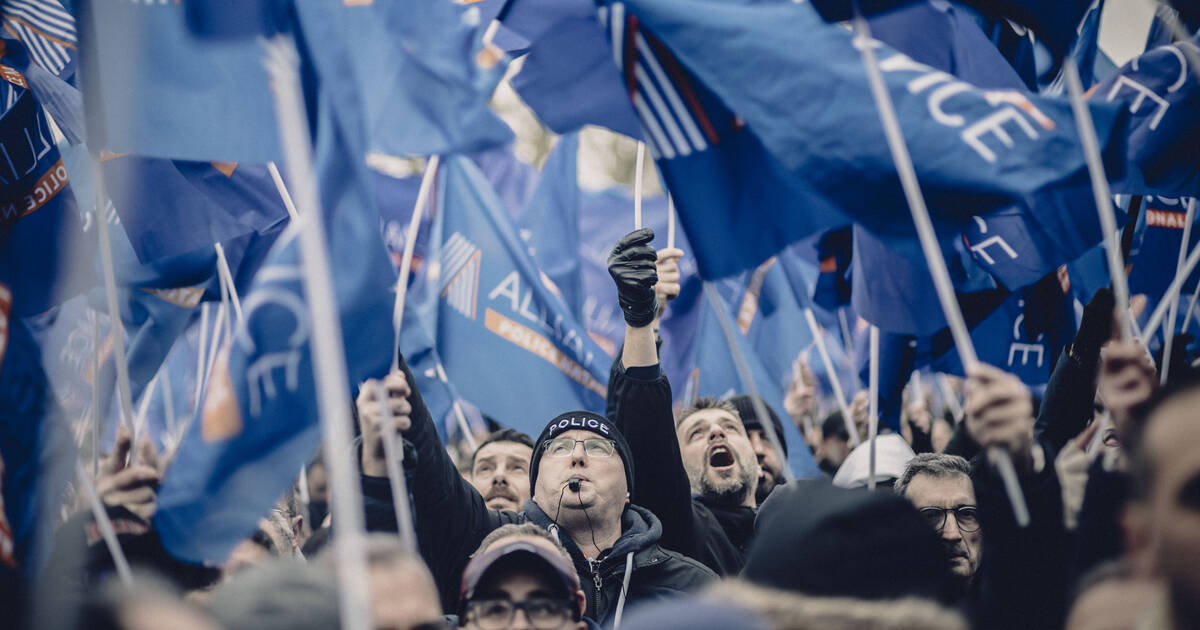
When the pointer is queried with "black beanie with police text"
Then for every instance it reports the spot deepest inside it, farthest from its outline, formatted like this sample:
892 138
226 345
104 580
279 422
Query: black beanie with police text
583 421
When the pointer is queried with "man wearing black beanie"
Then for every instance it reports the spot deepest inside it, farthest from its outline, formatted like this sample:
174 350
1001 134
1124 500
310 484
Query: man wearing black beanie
581 476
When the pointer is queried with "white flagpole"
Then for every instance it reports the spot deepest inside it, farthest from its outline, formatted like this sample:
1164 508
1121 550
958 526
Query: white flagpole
952 401
459 416
1169 331
1100 190
96 412
818 334
873 418
117 331
743 370
394 455
410 245
670 222
227 280
328 358
144 409
201 345
288 204
1187 319
637 186
930 246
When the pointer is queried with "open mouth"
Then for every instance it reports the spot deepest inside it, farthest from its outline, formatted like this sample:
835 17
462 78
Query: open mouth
720 457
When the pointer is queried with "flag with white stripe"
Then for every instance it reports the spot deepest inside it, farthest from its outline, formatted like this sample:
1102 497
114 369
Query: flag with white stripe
45 29
460 274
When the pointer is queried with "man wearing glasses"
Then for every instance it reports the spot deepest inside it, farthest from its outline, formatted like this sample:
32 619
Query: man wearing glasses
940 488
521 577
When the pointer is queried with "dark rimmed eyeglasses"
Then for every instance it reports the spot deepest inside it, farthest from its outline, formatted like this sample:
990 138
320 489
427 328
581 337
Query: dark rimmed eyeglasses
496 614
966 516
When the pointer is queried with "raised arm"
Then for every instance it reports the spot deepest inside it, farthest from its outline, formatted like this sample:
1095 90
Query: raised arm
642 395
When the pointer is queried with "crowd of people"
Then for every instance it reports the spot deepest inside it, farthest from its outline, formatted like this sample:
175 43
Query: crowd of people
652 516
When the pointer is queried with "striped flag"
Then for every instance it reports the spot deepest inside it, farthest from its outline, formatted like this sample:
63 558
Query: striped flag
46 30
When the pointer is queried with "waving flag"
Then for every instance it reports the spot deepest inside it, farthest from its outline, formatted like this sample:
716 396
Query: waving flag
550 223
1155 251
152 88
977 150
45 30
45 258
1162 94
567 76
259 421
489 299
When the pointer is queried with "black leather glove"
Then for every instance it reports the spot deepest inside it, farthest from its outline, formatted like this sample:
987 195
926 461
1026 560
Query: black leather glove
1095 328
631 265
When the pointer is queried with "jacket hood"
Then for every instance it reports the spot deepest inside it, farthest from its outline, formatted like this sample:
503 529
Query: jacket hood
640 529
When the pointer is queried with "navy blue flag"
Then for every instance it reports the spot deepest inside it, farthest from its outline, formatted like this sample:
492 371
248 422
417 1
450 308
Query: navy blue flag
1163 96
986 148
208 202
489 299
567 77
549 223
154 89
45 257
1054 22
259 421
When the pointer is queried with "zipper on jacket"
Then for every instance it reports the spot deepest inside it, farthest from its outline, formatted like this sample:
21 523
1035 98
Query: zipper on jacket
594 568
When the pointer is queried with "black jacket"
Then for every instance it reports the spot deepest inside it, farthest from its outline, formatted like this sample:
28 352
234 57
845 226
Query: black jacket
452 519
1022 580
718 536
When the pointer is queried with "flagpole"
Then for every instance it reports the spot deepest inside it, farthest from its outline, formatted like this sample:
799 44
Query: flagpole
394 460
106 527
410 245
201 342
1169 331
117 331
1176 285
930 246
951 398
1102 194
96 413
670 222
227 279
637 186
288 204
743 370
328 357
840 396
873 417
1187 319
143 409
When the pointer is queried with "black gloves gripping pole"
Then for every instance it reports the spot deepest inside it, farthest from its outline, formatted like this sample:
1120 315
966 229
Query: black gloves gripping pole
631 266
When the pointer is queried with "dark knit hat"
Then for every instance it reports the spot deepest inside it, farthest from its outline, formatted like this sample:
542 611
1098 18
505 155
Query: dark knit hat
813 538
745 408
583 421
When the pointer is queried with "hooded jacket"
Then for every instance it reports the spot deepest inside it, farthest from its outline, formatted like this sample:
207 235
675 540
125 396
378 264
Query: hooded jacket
716 535
451 520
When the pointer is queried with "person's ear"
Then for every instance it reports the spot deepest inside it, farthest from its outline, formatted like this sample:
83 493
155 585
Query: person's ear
1139 538
297 525
581 603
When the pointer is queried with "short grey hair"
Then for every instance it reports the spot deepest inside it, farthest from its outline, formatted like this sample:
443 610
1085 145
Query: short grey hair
522 529
934 465
705 402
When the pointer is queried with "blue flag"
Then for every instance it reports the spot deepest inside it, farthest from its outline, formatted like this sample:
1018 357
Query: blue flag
489 299
989 147
1155 252
1163 96
46 257
567 77
259 421
549 224
154 89
170 207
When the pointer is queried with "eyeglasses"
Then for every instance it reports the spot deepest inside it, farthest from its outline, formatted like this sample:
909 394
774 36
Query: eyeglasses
592 447
497 614
967 517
